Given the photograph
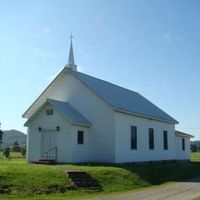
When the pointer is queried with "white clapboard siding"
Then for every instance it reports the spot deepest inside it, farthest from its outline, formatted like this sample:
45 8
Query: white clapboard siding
35 137
180 153
79 152
123 151
97 111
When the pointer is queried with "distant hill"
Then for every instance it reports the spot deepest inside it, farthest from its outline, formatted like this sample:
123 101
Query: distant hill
10 136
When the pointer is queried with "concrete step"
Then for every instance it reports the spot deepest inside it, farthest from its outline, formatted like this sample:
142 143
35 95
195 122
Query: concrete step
81 179
46 161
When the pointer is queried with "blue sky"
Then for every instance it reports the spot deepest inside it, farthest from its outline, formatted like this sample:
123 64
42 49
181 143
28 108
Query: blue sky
149 46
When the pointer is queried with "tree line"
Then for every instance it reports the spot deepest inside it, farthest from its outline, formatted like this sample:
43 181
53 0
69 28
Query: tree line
195 148
14 148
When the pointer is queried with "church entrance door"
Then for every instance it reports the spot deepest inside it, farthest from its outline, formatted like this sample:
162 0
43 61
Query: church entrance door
49 145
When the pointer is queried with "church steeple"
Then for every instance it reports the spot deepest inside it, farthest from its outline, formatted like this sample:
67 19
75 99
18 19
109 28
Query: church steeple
71 63
71 53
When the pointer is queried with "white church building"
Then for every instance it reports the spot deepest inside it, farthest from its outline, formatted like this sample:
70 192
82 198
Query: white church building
80 118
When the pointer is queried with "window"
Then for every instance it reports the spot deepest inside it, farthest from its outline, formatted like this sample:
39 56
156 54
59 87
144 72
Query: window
80 139
49 111
133 137
165 140
183 144
151 138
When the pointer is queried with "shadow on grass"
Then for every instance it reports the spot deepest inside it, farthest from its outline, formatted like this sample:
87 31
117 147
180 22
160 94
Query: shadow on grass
158 173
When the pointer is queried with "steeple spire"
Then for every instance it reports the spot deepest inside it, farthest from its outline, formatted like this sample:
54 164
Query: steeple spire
71 53
71 63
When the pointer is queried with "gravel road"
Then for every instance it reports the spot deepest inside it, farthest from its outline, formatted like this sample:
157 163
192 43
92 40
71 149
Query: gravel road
175 191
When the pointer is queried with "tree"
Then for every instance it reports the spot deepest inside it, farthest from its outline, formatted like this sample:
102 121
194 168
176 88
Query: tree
193 148
1 135
16 147
6 152
23 151
198 148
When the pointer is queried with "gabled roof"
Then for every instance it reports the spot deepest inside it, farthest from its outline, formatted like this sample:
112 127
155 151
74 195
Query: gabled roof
68 111
122 99
181 134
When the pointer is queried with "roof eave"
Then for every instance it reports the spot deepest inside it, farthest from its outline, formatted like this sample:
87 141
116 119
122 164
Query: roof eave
145 116
181 134
82 124
27 123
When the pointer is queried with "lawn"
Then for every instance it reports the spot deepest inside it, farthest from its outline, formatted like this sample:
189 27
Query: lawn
195 156
32 181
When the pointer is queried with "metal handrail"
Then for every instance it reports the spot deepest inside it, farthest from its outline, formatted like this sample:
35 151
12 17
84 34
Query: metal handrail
47 152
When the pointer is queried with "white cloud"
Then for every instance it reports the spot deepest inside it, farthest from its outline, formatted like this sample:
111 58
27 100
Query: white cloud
47 30
113 40
39 52
81 51
42 33
37 35
159 84
122 38
112 37
179 38
167 38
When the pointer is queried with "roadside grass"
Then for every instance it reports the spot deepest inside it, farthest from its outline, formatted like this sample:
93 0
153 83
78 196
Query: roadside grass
34 181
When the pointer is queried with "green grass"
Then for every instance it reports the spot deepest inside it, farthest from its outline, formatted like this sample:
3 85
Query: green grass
34 181
195 156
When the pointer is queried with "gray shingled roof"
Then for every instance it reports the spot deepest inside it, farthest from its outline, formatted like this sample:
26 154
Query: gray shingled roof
69 112
123 99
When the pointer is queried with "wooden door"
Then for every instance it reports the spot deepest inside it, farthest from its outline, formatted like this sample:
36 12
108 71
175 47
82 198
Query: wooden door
49 141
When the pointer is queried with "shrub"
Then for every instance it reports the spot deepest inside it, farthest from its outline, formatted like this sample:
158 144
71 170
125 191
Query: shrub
23 151
1 136
16 147
193 148
6 152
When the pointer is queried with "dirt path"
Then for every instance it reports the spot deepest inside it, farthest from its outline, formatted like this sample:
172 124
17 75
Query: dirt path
176 191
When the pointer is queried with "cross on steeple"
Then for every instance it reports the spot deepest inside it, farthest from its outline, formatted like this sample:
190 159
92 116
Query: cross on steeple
71 37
